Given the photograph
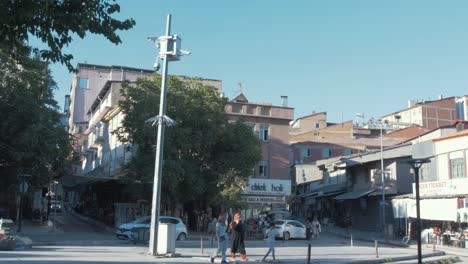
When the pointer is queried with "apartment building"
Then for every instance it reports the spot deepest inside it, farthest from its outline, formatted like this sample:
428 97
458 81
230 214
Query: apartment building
270 184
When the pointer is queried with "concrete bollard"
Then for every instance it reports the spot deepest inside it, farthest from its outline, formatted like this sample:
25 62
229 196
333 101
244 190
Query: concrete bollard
351 240
376 249
434 244
308 253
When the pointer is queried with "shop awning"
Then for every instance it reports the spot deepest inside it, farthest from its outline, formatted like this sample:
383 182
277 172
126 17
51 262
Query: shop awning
310 194
353 195
329 194
74 181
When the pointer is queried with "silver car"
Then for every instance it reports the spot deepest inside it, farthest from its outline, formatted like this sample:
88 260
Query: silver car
288 229
125 231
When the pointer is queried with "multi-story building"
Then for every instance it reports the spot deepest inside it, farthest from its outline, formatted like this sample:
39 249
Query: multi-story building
310 150
427 114
93 118
87 83
270 184
443 187
308 123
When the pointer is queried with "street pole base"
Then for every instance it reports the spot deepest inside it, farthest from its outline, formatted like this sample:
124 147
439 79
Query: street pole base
166 255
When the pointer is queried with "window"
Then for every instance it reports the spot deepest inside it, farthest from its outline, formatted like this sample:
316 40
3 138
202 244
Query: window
265 110
251 126
456 168
83 83
317 125
263 168
237 108
306 152
425 174
251 109
347 152
326 153
264 132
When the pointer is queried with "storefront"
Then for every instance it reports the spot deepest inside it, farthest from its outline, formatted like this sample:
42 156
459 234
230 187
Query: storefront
264 195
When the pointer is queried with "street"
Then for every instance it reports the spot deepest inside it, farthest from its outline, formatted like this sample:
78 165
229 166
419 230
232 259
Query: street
81 242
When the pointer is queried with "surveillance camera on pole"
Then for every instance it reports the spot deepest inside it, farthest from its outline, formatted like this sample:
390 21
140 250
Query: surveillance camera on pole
169 50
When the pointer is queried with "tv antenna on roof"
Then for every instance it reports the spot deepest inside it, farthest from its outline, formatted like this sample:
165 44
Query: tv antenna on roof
240 90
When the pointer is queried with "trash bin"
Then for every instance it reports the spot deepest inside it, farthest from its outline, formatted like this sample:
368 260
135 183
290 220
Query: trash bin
140 235
166 238
5 226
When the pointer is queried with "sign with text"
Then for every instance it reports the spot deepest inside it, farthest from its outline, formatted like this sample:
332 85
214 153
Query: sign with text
263 199
442 188
268 187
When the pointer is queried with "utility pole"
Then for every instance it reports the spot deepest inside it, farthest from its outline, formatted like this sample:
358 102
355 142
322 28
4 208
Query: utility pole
169 51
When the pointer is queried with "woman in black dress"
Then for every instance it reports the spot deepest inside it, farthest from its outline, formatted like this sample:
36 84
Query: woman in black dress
237 242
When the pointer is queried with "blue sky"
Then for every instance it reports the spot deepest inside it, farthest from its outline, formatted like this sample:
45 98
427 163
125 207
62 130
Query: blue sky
342 57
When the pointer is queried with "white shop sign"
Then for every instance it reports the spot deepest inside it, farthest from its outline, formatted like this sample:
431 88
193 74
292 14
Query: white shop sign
268 187
442 188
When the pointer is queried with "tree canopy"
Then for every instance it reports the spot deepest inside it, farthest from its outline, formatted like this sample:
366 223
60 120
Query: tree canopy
33 140
55 23
206 158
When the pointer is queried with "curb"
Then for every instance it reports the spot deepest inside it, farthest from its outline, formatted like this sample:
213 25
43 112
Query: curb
444 261
387 242
395 259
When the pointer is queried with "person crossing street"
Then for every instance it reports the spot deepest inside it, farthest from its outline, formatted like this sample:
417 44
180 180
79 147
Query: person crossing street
222 238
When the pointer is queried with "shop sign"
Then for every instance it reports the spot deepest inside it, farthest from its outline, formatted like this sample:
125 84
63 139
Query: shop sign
263 199
268 187
442 188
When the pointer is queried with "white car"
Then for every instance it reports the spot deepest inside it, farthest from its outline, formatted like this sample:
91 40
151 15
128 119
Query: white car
288 229
124 231
55 206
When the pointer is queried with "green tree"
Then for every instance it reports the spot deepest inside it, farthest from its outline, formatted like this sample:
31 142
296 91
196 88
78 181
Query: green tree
206 158
55 23
33 139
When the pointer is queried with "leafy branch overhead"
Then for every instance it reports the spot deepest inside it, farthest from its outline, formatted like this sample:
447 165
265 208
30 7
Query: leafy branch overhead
33 138
206 158
55 23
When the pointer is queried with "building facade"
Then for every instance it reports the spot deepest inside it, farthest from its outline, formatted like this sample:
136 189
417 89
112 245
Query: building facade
94 116
270 185
427 114
443 184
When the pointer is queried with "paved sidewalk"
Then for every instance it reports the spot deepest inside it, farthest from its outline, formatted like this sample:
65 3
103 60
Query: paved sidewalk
334 246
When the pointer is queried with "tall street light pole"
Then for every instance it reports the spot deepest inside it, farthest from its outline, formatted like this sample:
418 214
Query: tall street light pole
382 172
416 164
169 51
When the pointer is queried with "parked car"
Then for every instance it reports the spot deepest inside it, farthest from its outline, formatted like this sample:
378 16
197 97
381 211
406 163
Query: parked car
124 231
55 206
290 229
